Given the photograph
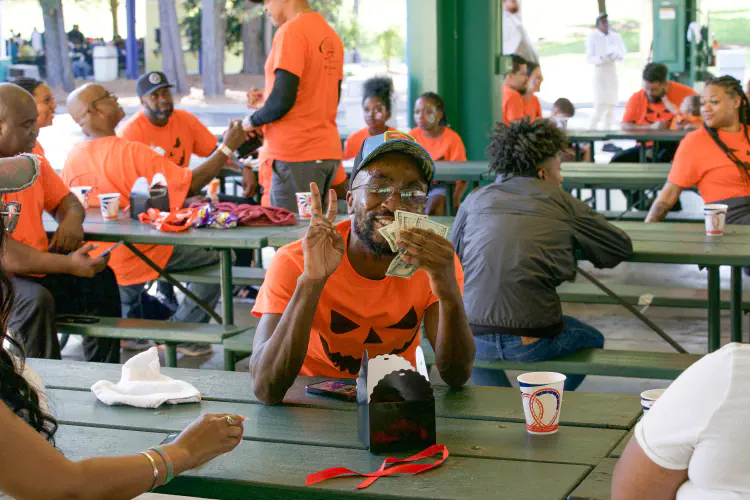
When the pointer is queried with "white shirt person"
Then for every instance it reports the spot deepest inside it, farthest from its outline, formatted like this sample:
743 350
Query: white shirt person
515 38
604 48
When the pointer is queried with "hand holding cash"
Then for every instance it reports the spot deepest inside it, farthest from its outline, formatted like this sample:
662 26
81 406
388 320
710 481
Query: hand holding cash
420 242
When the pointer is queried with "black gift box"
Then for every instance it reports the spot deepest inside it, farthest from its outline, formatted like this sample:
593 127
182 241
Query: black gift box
399 414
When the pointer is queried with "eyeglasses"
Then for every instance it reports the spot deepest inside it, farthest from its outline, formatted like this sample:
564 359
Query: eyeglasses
10 215
410 196
108 95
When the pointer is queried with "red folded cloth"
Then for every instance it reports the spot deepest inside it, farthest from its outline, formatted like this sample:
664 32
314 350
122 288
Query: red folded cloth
255 215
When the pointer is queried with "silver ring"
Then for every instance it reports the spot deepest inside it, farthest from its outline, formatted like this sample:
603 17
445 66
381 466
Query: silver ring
230 420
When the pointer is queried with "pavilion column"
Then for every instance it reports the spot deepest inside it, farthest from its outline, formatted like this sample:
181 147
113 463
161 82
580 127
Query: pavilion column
131 44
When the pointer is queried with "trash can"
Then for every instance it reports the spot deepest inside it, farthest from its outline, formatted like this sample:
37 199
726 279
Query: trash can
731 62
105 63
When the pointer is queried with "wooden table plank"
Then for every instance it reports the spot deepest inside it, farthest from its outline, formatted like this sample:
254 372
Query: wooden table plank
277 470
617 452
338 429
615 411
598 484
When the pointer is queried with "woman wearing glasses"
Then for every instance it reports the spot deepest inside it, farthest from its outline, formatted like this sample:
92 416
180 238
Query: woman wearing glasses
27 430
516 240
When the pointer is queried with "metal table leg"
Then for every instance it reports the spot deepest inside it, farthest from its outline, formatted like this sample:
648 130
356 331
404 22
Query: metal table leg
227 306
593 160
607 199
642 153
449 198
714 310
736 304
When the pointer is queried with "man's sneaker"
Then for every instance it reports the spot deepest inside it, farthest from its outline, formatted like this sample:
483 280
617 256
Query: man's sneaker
194 350
136 345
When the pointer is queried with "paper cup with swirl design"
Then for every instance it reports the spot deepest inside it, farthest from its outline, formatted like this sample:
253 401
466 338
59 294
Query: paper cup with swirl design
541 397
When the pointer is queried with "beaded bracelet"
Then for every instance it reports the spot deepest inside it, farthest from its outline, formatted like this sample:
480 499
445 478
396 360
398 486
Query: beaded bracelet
156 470
168 461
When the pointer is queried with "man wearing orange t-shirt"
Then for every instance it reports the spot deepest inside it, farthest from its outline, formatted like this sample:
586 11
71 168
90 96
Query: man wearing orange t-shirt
302 89
54 276
514 86
327 299
111 164
653 107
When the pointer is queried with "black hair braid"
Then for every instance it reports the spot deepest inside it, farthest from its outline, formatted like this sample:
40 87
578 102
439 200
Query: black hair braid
520 147
380 87
15 391
733 87
439 104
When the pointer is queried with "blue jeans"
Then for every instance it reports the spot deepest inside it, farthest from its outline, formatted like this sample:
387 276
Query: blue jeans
575 336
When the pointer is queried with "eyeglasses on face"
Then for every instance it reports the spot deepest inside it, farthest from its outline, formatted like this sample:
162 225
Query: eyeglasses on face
409 196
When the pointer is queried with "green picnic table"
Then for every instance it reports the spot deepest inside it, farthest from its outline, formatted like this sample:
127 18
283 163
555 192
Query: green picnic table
656 136
481 426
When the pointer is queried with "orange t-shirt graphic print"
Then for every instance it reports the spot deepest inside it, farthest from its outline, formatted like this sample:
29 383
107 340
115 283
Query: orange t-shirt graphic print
354 313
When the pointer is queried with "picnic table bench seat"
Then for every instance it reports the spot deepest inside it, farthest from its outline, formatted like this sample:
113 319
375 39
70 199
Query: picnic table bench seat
170 333
249 276
609 362
691 298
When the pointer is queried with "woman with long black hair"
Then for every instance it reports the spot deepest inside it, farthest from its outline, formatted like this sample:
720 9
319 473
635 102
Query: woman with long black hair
715 157
27 430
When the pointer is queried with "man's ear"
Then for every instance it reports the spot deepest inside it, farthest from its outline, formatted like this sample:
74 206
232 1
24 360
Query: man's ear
542 174
349 202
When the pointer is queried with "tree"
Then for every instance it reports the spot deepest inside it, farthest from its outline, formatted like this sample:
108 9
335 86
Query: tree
113 6
253 52
173 61
602 6
212 47
59 69
391 45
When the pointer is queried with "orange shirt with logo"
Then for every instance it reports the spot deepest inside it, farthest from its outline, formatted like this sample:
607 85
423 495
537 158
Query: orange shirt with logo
513 105
639 111
699 161
354 313
309 48
182 136
112 165
532 107
354 142
44 195
447 147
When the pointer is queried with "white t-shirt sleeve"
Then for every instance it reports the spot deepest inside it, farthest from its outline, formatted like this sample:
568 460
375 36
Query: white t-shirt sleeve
669 432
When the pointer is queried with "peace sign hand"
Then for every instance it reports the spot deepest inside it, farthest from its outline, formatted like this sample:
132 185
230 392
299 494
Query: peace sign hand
323 246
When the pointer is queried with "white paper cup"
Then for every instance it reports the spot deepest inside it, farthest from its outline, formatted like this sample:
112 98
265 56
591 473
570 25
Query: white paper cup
716 216
649 397
110 205
541 398
82 193
304 204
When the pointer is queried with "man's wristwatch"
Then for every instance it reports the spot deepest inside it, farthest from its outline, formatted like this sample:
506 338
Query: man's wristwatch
225 149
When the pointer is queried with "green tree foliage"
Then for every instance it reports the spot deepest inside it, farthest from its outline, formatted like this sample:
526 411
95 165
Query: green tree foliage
391 45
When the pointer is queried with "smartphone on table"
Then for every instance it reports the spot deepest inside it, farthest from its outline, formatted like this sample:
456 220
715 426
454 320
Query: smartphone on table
345 391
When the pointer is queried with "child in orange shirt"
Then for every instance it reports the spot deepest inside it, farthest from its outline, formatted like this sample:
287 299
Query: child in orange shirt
689 117
443 144
376 106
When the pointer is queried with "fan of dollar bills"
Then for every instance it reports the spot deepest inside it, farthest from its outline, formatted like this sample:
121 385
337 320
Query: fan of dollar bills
407 220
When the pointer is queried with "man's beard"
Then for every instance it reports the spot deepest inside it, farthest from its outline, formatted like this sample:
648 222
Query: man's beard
363 226
654 100
161 114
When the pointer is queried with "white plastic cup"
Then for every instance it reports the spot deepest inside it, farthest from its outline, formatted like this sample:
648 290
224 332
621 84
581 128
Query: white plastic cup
649 397
716 216
110 205
541 398
304 204
82 193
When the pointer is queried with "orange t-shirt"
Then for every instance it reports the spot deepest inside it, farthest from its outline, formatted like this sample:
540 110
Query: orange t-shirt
682 119
447 147
309 48
112 165
44 195
353 314
513 105
699 161
182 136
532 107
354 142
639 111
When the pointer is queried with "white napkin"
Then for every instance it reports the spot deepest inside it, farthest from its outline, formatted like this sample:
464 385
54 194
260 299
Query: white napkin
143 385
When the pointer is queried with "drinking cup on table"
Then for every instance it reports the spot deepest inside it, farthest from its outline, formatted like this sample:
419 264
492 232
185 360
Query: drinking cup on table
304 204
541 398
649 397
82 193
716 216
110 205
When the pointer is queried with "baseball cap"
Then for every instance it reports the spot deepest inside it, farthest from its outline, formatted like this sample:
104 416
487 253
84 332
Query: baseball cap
18 173
150 82
601 16
390 142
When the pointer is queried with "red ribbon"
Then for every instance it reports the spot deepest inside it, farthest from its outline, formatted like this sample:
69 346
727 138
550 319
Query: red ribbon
435 449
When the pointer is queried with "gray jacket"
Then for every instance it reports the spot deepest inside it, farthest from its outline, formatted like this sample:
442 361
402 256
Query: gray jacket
516 241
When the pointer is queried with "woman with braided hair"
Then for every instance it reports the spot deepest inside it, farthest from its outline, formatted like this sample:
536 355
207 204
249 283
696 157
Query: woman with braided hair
30 465
716 157
516 240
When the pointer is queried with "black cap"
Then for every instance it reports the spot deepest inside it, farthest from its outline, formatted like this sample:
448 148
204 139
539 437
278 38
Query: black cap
391 141
601 16
151 82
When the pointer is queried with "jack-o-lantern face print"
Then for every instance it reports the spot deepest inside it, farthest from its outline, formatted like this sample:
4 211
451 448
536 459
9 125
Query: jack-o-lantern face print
348 339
